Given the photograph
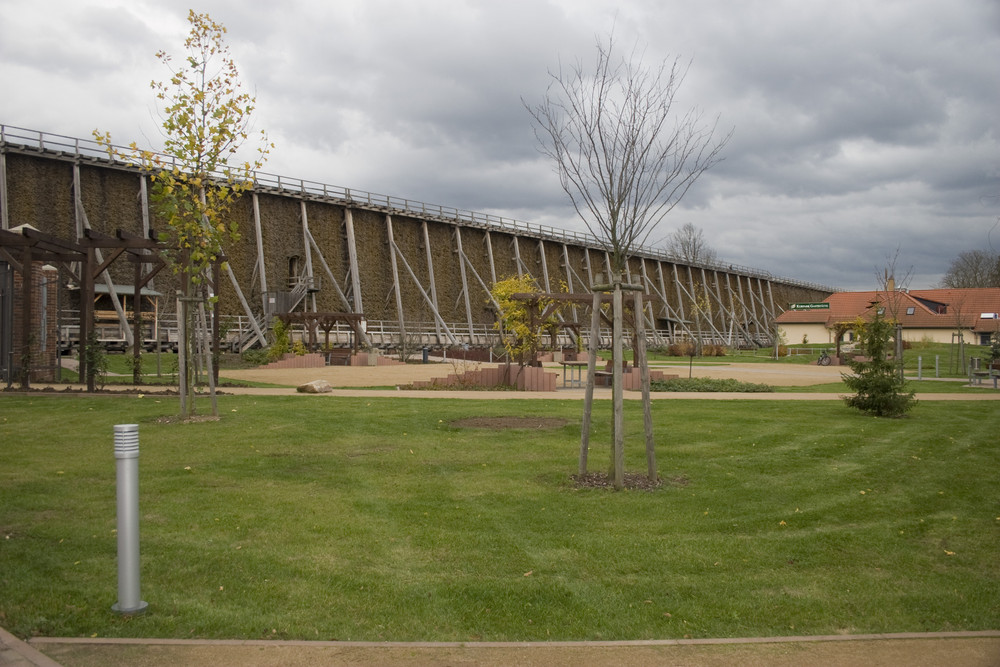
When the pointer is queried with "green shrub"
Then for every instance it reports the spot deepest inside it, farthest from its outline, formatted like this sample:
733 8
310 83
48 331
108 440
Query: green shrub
282 342
96 358
879 386
681 349
257 356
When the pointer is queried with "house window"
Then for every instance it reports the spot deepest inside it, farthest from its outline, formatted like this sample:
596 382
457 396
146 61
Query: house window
909 311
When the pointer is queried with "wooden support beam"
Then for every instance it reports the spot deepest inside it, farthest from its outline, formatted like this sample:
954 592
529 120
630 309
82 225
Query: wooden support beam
4 208
83 226
246 307
310 276
259 236
521 269
26 310
329 273
86 316
396 287
569 275
482 283
684 322
352 254
430 275
545 266
427 298
489 255
465 282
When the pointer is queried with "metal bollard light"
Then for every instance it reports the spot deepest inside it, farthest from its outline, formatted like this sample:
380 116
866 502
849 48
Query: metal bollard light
127 474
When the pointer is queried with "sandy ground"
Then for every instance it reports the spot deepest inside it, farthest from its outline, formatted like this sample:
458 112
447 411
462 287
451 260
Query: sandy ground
380 376
348 381
384 381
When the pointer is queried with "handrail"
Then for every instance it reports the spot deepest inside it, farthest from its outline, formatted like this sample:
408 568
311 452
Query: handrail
88 148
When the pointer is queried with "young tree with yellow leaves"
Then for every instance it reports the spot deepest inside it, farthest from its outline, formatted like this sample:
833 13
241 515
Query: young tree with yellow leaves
207 119
522 321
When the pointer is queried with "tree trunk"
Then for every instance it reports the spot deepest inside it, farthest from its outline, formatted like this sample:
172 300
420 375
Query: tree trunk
137 326
190 378
618 449
640 359
186 334
208 349
588 402
182 384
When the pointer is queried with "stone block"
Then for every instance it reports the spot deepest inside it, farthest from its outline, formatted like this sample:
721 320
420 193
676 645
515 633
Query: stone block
315 387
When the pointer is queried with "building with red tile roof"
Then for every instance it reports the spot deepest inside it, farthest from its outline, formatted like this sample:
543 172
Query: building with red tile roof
926 315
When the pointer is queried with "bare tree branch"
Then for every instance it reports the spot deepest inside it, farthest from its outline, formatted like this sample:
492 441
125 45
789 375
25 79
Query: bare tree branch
973 268
689 245
624 156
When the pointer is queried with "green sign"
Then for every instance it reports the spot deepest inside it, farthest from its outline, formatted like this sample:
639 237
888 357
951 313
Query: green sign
821 305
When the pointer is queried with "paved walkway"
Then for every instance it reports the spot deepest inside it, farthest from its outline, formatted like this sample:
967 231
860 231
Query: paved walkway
960 649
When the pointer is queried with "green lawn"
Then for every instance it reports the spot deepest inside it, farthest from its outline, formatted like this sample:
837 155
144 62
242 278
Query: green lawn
920 355
378 519
164 373
925 357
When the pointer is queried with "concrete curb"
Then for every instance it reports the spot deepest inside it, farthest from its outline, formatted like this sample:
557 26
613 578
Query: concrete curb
17 653
956 649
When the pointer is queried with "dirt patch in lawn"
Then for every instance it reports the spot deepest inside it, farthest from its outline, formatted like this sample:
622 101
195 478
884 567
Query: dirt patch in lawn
633 480
190 419
534 423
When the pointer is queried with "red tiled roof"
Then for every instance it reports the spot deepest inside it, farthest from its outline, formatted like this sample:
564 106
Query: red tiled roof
958 305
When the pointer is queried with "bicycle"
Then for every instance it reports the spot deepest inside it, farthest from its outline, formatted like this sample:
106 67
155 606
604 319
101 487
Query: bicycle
824 359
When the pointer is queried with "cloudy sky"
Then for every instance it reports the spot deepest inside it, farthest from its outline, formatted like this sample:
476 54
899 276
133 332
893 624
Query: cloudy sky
864 131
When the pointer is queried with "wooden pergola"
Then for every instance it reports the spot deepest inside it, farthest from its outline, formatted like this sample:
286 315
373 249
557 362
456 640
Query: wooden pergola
26 245
592 300
325 322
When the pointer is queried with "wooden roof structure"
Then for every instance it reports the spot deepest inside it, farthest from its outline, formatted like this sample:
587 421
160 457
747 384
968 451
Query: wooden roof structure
915 309
23 246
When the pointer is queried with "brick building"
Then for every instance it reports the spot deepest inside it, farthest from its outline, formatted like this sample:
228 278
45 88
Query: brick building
42 353
925 315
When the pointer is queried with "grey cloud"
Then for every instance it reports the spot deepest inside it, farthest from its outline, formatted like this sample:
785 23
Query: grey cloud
860 126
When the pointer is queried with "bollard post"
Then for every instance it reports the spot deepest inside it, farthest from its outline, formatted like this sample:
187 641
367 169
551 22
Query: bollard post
127 476
920 368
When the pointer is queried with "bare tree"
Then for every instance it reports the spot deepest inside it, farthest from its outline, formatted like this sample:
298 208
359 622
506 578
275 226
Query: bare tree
625 158
892 283
689 245
973 268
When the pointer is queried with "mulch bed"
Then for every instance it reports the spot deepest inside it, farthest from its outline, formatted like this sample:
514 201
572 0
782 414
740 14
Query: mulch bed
633 480
192 419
